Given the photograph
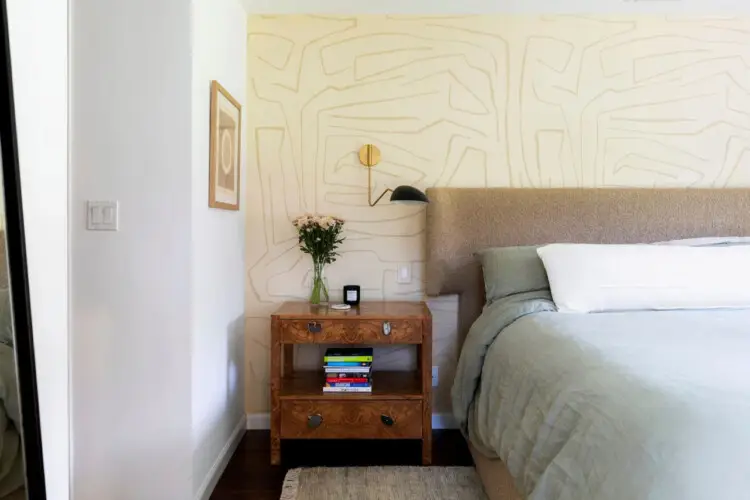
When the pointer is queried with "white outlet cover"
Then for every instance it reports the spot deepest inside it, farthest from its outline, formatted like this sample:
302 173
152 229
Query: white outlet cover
102 215
435 376
403 274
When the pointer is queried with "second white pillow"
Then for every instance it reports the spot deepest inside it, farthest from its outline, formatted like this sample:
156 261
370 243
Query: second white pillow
594 278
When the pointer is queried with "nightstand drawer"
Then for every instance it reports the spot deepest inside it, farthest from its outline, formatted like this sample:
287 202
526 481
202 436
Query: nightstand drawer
351 419
352 331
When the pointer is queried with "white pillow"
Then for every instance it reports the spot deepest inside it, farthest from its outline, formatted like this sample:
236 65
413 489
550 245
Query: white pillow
591 278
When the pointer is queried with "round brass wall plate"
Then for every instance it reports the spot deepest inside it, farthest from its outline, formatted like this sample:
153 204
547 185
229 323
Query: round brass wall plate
369 155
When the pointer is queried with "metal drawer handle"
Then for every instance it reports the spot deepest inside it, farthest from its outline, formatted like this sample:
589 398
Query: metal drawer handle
314 421
386 328
314 327
387 420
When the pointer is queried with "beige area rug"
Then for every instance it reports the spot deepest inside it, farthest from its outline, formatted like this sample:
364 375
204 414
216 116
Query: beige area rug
378 483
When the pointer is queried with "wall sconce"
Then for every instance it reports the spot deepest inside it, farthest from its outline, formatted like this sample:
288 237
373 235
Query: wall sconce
369 156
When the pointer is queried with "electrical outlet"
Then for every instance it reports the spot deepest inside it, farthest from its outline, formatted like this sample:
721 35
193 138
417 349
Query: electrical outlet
403 273
434 376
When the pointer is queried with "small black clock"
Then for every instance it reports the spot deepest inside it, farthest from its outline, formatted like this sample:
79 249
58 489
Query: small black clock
351 295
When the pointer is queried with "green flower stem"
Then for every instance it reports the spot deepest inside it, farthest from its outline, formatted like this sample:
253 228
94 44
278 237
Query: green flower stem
319 292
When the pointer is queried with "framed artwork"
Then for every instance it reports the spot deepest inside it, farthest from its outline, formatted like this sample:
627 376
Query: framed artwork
224 155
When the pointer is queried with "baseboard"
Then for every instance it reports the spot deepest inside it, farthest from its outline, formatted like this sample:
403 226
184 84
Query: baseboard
217 469
443 421
258 421
262 421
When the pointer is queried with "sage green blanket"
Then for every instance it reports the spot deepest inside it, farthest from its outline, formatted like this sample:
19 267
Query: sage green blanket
610 406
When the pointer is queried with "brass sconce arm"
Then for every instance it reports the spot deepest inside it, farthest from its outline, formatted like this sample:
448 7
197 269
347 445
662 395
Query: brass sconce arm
369 190
369 156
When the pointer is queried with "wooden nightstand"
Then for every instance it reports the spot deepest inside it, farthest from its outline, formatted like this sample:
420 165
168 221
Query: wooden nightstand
400 405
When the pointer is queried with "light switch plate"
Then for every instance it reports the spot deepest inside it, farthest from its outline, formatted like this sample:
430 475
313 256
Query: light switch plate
102 215
403 273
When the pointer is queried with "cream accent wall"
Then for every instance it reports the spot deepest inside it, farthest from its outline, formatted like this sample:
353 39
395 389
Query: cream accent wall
492 100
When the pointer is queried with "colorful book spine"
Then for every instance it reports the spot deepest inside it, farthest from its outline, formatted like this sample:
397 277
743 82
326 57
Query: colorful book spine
348 359
342 363
347 389
338 380
347 375
348 384
348 369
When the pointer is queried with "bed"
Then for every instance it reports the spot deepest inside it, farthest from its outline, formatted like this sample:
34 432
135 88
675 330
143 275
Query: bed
630 431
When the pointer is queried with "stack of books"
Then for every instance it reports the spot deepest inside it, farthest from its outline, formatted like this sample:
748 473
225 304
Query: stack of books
348 369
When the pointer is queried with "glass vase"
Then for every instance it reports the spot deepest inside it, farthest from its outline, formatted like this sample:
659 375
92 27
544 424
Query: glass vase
318 285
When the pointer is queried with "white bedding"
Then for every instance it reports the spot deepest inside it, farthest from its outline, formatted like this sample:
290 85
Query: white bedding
596 278
619 406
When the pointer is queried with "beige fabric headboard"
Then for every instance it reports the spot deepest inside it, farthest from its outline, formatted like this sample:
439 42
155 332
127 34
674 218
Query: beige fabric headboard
461 221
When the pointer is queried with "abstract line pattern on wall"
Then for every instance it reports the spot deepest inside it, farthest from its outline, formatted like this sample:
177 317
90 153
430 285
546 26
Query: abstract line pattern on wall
525 101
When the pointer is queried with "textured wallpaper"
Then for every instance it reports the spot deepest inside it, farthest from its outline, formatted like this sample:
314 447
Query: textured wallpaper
523 101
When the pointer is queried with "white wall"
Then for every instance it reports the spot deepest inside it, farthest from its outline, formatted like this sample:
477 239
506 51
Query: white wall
219 44
130 290
38 36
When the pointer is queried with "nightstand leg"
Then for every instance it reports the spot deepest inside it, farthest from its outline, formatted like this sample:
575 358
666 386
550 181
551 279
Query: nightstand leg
427 451
425 357
275 389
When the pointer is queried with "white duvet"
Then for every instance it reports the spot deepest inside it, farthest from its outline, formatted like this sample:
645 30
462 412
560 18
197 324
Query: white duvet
619 406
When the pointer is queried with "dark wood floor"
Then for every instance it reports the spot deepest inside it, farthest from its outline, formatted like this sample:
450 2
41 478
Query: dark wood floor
250 475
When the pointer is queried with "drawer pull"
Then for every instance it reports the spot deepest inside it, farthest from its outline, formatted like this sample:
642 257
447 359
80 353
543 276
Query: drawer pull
387 420
314 327
386 328
314 421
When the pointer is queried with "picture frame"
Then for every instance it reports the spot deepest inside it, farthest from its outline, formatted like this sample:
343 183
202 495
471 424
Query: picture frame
225 149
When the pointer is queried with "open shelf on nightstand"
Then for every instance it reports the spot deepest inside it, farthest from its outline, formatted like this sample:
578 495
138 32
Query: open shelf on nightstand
385 385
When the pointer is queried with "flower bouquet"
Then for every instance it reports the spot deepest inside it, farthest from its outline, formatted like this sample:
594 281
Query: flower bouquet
319 236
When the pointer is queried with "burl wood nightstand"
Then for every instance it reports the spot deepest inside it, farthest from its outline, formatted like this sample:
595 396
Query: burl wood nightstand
400 405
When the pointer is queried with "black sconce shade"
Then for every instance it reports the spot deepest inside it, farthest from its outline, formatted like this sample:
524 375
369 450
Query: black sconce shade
408 195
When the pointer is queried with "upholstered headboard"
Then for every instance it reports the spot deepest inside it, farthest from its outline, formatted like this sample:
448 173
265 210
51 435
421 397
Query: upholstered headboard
461 221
